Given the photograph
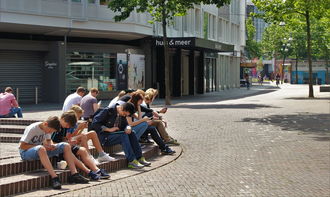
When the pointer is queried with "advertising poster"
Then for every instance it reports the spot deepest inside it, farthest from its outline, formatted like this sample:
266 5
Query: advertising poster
121 71
136 71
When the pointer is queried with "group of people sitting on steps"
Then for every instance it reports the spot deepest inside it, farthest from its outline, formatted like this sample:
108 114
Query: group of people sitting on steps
128 121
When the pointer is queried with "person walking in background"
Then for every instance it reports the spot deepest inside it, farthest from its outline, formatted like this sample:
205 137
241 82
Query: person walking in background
8 105
73 99
247 80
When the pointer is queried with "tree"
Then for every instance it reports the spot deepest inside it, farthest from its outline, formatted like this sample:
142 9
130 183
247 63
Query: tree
162 11
276 11
252 46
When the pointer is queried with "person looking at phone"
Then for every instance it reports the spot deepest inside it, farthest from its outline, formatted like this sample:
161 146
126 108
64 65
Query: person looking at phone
112 128
89 104
157 121
36 144
82 138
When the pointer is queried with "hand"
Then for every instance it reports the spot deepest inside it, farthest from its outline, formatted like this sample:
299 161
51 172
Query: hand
163 111
146 118
128 130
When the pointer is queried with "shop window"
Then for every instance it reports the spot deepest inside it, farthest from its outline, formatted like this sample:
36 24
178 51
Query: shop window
91 70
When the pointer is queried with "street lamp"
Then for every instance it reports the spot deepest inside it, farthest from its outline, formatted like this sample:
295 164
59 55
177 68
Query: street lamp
285 48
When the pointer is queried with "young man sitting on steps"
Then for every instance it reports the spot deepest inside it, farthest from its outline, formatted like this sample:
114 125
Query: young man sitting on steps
112 128
36 144
67 121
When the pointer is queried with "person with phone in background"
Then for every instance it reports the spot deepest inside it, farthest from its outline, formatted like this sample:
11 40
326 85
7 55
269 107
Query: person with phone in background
89 104
158 121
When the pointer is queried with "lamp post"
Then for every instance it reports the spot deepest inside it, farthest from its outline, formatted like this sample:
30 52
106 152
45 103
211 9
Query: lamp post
285 48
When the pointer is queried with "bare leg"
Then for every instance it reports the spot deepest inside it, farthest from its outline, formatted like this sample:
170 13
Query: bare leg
83 141
45 162
69 158
80 165
96 142
82 152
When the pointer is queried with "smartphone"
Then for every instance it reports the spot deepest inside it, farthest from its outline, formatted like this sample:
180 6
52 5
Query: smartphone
100 102
151 118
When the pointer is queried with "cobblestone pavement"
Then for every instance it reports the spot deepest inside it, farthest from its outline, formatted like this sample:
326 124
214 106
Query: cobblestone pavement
271 142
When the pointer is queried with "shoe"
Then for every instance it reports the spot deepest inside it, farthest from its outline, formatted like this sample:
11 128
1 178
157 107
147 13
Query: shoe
103 174
94 176
77 178
135 164
94 160
144 162
172 142
56 183
145 141
167 151
105 158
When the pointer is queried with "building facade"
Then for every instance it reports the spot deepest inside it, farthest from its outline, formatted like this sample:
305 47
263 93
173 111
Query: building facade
50 47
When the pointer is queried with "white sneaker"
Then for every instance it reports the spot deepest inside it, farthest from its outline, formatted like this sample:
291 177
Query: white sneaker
105 158
94 160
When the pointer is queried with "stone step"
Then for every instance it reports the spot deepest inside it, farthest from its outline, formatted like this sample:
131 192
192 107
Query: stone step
17 121
19 129
11 163
10 137
29 181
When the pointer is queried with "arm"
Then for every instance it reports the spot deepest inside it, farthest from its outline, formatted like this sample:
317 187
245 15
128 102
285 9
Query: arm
26 146
132 124
96 107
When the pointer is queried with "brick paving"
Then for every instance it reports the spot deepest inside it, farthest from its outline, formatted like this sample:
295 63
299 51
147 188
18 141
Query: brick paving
274 142
262 142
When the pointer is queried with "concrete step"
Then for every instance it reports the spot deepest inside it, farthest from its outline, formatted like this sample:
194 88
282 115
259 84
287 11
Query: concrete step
19 129
11 163
29 181
10 137
17 121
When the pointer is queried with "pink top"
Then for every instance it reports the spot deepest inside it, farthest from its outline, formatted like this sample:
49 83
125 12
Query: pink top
7 101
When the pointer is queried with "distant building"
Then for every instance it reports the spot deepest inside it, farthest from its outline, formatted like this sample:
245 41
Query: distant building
49 48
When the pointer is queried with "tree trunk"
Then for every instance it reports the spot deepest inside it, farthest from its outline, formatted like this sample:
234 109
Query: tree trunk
166 61
311 92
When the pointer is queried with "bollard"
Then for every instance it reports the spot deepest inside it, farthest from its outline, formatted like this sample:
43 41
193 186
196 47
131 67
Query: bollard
36 95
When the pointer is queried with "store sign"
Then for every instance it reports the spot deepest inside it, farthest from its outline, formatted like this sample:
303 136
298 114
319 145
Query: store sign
50 65
176 42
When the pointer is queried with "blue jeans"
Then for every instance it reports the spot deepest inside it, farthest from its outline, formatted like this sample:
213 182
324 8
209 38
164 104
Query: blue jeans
129 142
13 111
32 153
140 129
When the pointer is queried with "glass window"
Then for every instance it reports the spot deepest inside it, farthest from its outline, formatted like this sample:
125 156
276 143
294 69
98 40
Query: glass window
197 20
88 69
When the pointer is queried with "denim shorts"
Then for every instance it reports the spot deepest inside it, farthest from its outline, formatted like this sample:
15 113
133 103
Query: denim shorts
32 153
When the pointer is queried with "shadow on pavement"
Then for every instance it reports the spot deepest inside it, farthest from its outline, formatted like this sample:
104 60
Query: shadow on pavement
229 106
305 122
306 98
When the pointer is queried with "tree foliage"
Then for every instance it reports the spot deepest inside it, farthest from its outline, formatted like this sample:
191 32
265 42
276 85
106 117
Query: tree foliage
252 46
299 11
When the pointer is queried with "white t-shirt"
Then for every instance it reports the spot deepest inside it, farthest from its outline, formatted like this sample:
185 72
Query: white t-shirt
34 135
113 102
72 99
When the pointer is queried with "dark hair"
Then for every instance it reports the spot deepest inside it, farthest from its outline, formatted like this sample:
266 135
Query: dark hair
129 90
129 107
54 122
80 89
69 117
8 89
135 98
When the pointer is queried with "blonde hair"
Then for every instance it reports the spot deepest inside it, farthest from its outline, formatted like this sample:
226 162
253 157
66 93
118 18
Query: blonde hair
150 94
121 93
77 109
140 92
